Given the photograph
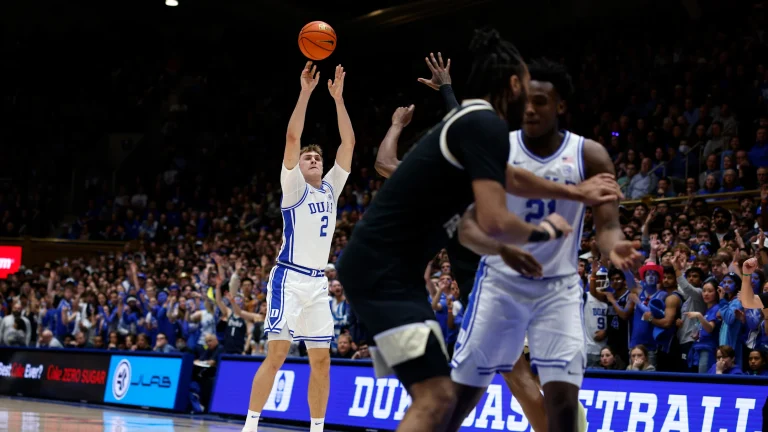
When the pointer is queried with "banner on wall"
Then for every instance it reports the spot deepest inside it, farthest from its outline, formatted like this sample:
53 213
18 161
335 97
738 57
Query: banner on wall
358 399
123 378
143 381
52 374
10 260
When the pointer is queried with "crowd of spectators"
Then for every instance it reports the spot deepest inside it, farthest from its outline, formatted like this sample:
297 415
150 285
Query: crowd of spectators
683 119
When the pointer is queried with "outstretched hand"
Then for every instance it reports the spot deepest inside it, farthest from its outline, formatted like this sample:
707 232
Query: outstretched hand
402 116
441 73
624 254
336 86
310 76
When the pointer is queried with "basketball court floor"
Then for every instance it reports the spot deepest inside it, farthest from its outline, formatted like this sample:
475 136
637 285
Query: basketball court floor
23 415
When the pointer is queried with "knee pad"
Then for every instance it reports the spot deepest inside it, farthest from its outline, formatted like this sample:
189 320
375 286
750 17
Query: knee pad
401 344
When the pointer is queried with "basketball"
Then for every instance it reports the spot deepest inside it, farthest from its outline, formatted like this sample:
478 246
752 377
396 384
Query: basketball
317 40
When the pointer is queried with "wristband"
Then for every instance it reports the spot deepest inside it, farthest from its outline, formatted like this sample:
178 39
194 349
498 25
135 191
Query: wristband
746 274
558 233
538 236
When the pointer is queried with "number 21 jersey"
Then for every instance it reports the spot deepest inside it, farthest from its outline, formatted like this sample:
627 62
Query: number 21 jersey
558 258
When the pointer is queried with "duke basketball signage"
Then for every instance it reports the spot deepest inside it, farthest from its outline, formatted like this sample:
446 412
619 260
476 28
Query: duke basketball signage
144 381
613 404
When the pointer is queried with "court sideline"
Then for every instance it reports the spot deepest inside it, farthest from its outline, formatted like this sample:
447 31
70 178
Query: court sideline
25 415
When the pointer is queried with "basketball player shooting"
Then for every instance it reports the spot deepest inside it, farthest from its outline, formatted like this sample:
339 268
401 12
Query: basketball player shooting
464 262
506 304
464 156
297 293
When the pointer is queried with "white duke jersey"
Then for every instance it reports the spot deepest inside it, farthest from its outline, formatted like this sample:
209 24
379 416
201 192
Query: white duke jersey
558 258
595 319
309 217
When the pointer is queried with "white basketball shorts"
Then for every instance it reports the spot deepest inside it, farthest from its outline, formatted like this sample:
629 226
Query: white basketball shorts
297 306
500 312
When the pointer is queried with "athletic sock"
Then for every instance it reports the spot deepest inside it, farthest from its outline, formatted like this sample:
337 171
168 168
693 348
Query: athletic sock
252 421
316 425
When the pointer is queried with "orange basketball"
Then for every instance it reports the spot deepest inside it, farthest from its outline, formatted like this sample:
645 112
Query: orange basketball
317 40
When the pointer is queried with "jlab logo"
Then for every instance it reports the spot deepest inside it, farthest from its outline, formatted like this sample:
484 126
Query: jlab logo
280 397
121 381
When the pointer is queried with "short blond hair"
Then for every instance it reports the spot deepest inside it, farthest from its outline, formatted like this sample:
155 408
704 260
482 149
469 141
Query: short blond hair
311 148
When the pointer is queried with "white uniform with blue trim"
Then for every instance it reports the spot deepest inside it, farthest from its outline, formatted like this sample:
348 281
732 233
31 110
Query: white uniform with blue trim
504 305
297 293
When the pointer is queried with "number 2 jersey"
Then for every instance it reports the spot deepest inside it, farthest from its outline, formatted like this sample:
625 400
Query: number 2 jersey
309 217
558 258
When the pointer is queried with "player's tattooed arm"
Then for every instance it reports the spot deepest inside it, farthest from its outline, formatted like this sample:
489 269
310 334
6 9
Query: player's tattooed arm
386 157
347 146
610 239
309 79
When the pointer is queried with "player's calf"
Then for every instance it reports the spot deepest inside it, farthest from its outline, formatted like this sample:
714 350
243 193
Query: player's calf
319 383
562 402
467 398
433 403
264 380
561 393
525 388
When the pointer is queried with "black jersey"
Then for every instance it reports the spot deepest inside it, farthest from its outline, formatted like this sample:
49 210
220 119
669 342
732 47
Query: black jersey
618 329
417 211
234 340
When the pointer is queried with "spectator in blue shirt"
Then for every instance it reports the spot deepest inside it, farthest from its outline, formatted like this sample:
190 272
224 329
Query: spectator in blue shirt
730 310
711 186
643 182
705 345
758 365
726 362
729 182
759 153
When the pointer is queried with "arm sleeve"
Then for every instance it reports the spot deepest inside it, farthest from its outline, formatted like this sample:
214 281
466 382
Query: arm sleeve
728 314
446 91
293 185
336 178
480 143
643 308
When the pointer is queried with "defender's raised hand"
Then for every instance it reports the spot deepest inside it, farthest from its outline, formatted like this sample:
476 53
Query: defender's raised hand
441 73
402 116
310 76
336 87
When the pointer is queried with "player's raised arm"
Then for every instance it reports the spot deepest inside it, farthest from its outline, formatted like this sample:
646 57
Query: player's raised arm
441 79
386 157
309 79
336 88
610 239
